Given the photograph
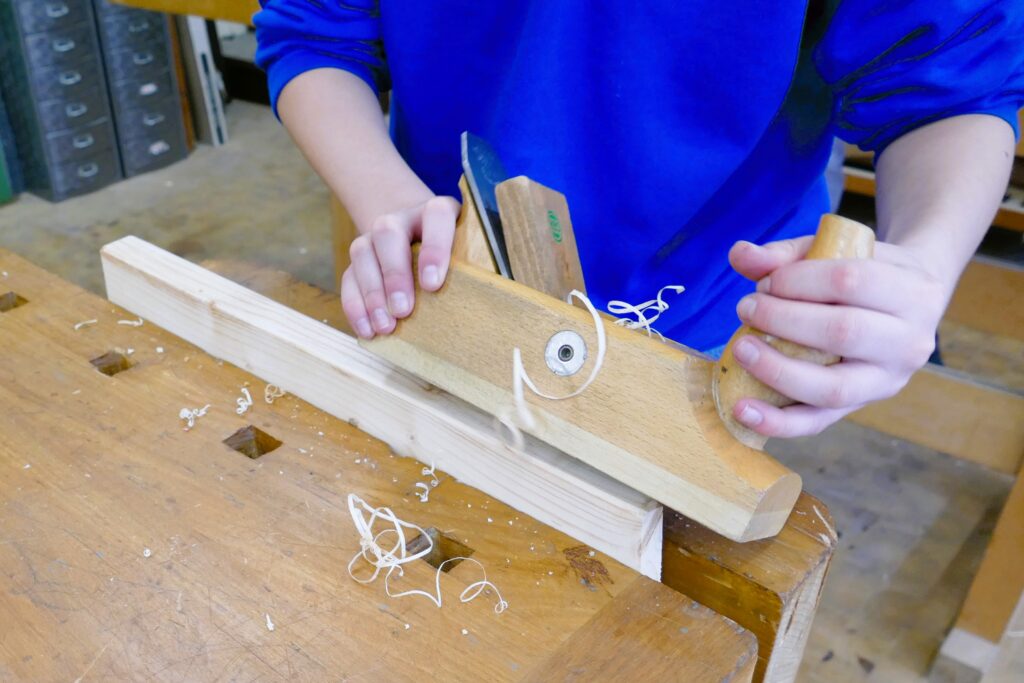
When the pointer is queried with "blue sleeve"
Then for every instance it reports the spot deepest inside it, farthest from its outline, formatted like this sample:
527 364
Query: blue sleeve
295 36
895 66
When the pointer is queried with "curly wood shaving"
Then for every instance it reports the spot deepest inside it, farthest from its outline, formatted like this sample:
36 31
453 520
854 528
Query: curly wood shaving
131 323
272 392
646 313
423 495
85 323
390 560
520 379
244 402
190 416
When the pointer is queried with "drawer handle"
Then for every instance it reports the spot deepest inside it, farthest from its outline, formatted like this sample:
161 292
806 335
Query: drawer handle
152 119
75 110
158 148
88 170
70 77
147 89
63 45
142 58
56 10
83 141
138 26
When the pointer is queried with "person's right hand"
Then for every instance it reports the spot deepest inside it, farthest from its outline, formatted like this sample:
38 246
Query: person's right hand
377 287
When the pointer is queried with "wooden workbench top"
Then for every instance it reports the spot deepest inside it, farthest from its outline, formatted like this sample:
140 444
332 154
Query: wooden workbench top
131 548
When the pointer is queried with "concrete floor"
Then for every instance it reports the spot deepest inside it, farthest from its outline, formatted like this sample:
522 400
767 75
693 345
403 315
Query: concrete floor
913 522
253 199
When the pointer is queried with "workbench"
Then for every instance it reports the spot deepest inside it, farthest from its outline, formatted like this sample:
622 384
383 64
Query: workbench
129 546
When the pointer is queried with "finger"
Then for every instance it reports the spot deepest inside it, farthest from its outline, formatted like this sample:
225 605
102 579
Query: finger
371 283
864 283
846 331
845 384
352 304
437 234
753 261
792 421
390 236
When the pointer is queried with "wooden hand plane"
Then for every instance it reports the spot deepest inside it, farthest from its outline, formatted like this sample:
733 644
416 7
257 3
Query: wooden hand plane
657 416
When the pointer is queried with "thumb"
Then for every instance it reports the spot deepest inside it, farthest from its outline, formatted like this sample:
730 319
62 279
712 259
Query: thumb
754 261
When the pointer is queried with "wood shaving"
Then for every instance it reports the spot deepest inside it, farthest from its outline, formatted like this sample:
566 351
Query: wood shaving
390 560
138 322
522 418
190 416
272 392
831 531
85 323
425 494
270 624
643 312
244 402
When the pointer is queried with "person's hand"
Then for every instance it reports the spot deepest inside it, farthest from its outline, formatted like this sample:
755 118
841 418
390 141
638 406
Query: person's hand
879 315
377 287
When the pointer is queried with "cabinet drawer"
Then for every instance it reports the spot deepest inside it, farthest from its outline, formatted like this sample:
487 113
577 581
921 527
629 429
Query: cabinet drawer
153 151
70 82
135 30
156 122
132 63
46 15
85 175
142 92
60 115
82 143
65 48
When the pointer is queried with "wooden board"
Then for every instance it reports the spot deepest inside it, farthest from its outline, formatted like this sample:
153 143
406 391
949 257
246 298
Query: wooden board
594 652
972 646
1020 144
1000 579
647 420
1008 666
987 298
950 412
1010 214
539 237
96 469
327 368
229 10
770 587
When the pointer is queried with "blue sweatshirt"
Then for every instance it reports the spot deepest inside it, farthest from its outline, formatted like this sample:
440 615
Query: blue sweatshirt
674 128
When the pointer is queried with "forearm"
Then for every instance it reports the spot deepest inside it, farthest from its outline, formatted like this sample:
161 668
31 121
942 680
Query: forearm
939 187
335 120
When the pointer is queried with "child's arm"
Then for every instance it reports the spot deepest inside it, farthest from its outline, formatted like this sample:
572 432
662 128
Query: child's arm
938 189
335 119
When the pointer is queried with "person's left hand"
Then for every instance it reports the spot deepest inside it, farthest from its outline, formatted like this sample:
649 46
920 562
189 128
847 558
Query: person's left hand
879 315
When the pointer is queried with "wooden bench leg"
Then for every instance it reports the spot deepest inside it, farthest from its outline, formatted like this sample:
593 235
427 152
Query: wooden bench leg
973 642
770 587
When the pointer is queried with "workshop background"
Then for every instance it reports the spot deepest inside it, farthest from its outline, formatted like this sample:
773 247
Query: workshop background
157 126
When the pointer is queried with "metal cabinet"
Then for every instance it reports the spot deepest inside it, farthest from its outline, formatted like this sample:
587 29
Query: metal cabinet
143 87
56 93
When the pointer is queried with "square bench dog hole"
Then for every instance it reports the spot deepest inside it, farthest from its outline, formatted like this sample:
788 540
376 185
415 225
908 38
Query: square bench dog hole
111 363
252 442
11 300
445 548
